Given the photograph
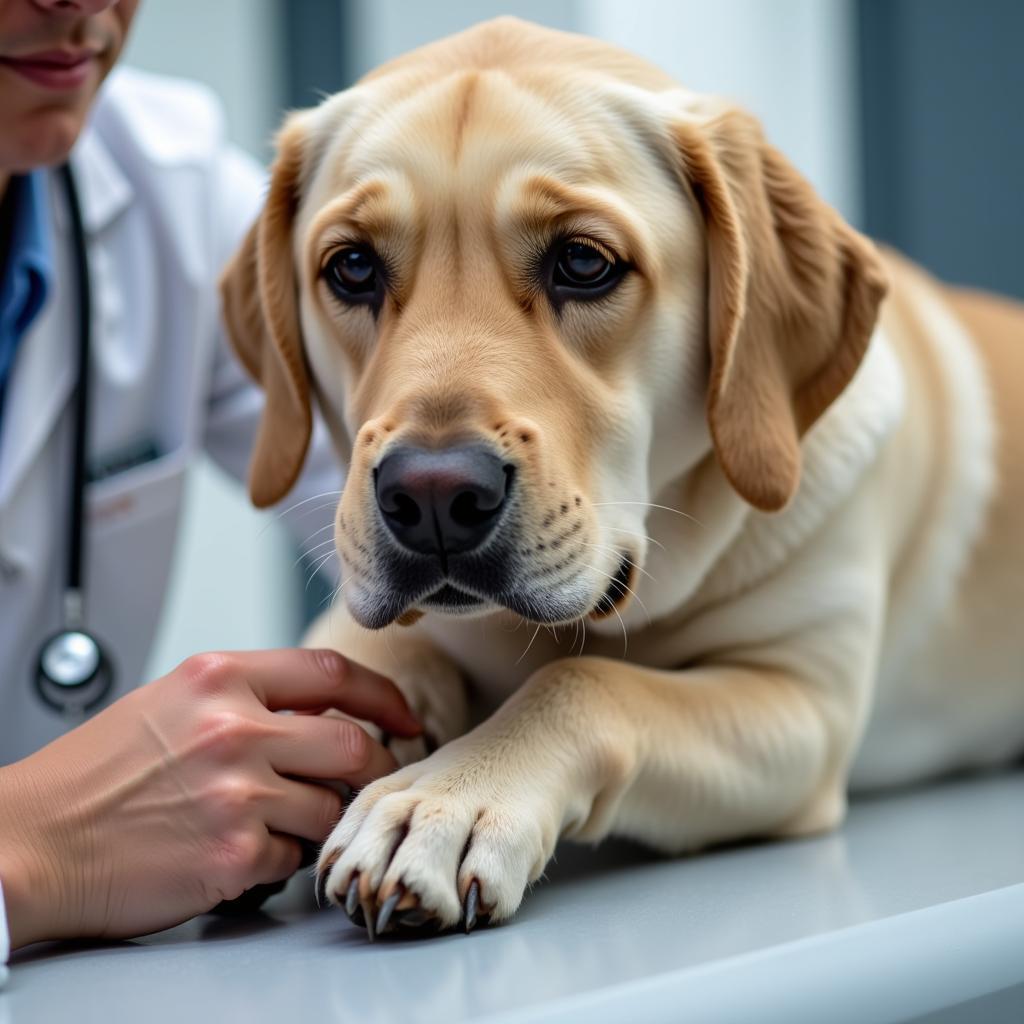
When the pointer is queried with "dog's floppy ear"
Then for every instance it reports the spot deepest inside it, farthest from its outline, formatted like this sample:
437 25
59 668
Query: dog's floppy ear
259 292
793 295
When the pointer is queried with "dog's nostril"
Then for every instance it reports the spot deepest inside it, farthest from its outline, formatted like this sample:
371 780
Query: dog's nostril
466 510
474 507
403 509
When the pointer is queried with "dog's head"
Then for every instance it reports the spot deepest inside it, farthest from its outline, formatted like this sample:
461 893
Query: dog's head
530 282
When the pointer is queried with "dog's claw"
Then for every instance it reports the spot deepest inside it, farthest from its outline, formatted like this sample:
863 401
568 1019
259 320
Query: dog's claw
471 905
385 911
352 896
323 874
371 932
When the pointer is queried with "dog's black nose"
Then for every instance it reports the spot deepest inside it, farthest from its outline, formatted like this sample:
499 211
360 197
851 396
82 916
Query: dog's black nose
444 502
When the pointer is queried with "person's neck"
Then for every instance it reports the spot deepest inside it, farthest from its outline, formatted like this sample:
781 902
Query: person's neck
5 177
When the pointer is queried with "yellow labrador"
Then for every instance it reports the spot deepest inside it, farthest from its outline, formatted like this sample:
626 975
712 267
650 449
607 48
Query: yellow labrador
634 442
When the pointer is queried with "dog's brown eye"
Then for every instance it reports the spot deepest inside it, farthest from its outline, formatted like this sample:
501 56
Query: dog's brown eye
581 271
351 273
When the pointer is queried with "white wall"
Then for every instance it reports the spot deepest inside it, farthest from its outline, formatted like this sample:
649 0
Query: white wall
233 583
234 46
387 28
791 62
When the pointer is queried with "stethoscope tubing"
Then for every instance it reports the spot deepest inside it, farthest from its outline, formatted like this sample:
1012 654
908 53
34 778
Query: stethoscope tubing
73 672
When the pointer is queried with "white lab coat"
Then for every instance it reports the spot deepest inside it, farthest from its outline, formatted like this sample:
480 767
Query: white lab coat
164 202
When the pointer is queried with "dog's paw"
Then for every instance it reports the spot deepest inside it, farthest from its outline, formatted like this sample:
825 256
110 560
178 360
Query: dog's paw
442 843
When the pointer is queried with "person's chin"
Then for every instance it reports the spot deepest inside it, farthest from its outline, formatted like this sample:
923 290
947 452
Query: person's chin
46 139
43 134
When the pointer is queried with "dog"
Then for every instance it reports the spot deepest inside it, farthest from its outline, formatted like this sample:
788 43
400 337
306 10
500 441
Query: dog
689 507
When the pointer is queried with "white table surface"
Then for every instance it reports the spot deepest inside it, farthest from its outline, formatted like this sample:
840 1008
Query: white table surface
914 907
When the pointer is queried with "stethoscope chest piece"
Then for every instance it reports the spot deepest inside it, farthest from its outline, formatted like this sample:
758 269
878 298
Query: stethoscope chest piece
73 674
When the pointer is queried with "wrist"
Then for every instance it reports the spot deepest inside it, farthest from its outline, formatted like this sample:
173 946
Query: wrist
23 872
21 926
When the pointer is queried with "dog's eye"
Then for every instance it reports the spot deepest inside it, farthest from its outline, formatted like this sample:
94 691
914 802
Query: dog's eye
580 270
582 265
351 273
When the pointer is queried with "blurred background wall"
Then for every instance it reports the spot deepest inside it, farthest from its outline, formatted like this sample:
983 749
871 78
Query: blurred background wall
942 119
905 114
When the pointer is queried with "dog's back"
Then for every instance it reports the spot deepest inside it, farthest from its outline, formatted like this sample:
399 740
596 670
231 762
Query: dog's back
951 681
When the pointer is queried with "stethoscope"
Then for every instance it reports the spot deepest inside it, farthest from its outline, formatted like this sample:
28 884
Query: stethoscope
73 673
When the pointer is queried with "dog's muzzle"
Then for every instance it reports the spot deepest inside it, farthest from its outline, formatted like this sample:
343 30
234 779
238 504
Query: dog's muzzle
449 539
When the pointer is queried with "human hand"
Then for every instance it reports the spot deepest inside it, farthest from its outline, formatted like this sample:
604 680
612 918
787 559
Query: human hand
187 792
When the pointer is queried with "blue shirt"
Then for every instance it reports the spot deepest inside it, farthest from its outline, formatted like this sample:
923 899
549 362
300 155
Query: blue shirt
27 271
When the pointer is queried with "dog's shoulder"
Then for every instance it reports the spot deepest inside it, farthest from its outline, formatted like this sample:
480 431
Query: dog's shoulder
837 454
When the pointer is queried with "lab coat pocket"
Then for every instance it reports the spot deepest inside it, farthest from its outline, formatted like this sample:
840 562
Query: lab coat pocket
132 525
138 493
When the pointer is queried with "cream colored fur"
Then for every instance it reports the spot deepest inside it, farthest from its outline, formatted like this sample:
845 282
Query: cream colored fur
825 581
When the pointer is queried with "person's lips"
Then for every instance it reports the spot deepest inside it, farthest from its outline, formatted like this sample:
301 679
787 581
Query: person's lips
61 70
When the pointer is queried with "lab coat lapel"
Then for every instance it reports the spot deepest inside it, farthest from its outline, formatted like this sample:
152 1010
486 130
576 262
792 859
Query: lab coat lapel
44 372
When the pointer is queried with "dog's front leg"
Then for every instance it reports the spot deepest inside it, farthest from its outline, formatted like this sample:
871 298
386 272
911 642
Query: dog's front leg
587 747
431 683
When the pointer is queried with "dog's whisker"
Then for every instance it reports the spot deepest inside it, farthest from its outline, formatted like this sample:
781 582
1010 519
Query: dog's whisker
529 645
320 560
332 596
308 553
625 635
639 568
330 609
299 504
629 590
648 504
620 555
319 565
579 630
319 544
633 533
316 533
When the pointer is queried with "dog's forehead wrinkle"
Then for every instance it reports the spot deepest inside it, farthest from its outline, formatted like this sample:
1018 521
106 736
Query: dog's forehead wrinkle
466 127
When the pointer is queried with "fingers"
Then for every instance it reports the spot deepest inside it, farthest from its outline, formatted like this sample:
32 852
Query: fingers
280 860
327 748
298 679
321 678
304 810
